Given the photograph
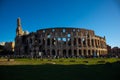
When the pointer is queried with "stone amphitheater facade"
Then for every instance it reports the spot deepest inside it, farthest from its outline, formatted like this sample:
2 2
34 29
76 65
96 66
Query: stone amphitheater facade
59 42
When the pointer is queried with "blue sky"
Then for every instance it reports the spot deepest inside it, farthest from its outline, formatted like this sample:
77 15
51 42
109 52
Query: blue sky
102 16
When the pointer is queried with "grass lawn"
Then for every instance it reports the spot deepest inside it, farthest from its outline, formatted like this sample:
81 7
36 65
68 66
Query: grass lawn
60 69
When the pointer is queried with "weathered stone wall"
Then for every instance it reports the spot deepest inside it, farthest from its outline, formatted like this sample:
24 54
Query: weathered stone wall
62 42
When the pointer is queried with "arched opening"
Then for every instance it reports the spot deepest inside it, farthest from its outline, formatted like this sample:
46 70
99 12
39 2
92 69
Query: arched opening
84 42
84 52
69 41
79 42
43 41
64 52
92 42
95 53
99 52
74 41
88 42
48 52
70 53
89 53
58 52
53 41
80 52
92 52
53 52
44 53
30 40
75 52
48 41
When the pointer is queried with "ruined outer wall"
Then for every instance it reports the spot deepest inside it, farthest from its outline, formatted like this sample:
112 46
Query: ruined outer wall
63 42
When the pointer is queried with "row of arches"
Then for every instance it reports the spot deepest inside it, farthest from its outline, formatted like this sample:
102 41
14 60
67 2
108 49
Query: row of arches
72 52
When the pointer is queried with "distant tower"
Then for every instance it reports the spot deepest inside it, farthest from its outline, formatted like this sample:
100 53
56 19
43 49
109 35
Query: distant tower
19 30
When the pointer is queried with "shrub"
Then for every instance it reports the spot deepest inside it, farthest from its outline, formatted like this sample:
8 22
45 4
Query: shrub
49 59
85 61
61 60
72 60
41 59
102 61
118 62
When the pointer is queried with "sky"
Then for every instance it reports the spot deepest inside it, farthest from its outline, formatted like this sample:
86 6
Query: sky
102 16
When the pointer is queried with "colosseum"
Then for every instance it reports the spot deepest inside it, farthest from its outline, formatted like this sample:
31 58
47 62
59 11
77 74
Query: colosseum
59 42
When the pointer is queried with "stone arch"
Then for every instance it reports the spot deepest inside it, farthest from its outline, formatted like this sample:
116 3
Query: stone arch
64 52
92 42
74 41
89 52
58 52
75 52
88 42
70 53
79 41
48 52
44 53
92 52
85 52
53 52
80 53
48 41
43 41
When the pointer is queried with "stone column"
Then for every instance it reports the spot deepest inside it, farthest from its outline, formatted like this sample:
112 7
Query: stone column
50 52
82 52
87 52
72 39
90 41
86 42
77 41
81 42
45 40
90 51
77 52
94 42
66 42
72 50
55 52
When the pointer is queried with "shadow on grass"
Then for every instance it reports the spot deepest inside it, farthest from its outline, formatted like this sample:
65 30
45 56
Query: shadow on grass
108 71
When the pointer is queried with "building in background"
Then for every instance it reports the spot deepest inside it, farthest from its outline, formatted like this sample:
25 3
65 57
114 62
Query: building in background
2 43
115 51
9 46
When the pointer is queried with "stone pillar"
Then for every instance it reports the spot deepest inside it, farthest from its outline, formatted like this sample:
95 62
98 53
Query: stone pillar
66 42
77 41
72 39
90 51
81 42
86 42
56 52
67 52
97 43
87 52
82 52
94 42
72 50
78 52
50 52
90 41
45 40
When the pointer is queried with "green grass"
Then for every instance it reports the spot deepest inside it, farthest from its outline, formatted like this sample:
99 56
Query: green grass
62 61
63 69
